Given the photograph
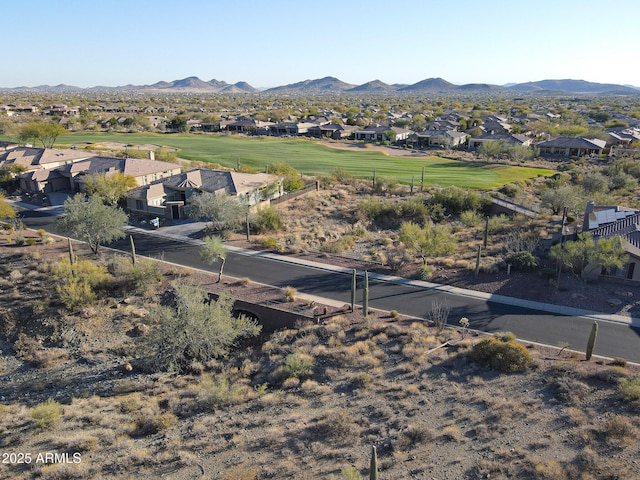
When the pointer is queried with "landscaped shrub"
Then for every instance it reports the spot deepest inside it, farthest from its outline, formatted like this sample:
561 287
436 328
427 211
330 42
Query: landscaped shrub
424 272
470 218
522 261
501 353
267 220
269 243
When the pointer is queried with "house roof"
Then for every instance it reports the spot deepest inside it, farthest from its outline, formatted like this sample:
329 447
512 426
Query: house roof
213 181
571 142
606 221
33 158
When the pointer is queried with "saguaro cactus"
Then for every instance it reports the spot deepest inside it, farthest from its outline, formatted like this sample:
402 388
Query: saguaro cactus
133 250
365 299
373 466
353 290
477 271
592 340
486 232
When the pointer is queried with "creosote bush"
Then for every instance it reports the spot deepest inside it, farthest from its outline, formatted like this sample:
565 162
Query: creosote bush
76 284
629 388
299 365
47 414
502 353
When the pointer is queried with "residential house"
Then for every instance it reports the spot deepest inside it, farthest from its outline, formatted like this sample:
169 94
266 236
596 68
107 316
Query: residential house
290 128
332 130
606 222
169 197
4 146
572 147
512 139
72 177
377 133
439 138
32 158
247 126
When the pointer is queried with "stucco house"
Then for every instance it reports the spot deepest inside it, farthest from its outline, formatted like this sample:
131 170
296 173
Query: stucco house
439 138
71 178
377 133
509 138
170 196
32 158
608 221
572 147
332 130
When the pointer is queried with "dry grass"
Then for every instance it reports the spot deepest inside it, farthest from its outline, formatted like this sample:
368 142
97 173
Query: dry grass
247 417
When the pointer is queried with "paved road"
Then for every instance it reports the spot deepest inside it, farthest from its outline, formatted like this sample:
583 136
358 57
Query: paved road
614 339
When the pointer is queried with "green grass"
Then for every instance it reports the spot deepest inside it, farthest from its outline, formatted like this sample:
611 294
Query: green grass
311 158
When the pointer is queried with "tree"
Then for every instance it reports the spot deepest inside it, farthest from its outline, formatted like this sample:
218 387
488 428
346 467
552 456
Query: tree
110 188
427 241
585 256
195 329
558 198
225 212
7 212
212 251
92 221
389 135
45 133
178 124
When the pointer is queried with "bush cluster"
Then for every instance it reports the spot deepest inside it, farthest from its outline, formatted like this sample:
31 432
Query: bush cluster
502 353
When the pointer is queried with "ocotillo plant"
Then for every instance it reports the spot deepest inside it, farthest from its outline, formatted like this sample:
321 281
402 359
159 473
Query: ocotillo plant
133 250
592 340
373 466
365 299
353 290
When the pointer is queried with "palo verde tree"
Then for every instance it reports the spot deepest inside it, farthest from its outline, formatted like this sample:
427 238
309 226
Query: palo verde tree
89 219
7 212
225 212
212 251
586 256
44 132
427 241
194 329
109 188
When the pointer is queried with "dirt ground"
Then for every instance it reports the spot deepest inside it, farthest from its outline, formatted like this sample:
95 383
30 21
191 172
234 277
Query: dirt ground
388 381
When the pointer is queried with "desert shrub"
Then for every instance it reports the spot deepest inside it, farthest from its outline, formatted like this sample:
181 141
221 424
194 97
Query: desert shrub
501 353
289 293
629 388
338 246
350 473
619 362
499 223
299 365
522 261
144 273
194 328
456 200
267 220
30 241
470 218
510 190
150 424
218 393
396 257
76 284
269 243
47 414
424 272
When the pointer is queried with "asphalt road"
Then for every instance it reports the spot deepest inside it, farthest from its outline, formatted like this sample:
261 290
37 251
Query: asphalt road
614 339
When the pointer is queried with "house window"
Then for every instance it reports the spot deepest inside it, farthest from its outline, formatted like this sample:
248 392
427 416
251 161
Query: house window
139 205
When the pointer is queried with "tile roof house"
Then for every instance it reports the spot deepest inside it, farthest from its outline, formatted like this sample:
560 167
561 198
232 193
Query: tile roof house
377 133
169 197
33 158
511 138
572 147
439 138
606 222
332 130
71 177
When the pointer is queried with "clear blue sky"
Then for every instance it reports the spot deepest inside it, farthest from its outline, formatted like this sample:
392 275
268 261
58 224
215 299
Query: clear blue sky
270 43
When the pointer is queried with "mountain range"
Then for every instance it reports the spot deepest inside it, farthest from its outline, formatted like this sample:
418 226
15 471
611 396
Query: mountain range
332 85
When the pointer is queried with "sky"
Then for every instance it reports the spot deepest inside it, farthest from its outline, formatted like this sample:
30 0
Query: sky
271 43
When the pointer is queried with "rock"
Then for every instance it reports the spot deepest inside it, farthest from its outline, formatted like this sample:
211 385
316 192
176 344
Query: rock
139 312
614 302
620 293
127 367
139 330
